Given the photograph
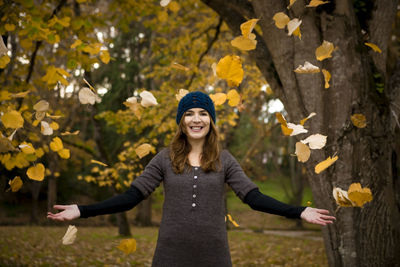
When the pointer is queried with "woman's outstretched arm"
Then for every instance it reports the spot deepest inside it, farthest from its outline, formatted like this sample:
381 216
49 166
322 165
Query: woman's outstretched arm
118 203
258 201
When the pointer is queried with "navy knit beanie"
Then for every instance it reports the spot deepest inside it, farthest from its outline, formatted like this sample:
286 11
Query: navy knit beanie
195 100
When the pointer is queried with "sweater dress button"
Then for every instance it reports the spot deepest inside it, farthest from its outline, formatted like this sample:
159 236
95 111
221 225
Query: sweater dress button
194 205
195 168
194 186
195 177
194 196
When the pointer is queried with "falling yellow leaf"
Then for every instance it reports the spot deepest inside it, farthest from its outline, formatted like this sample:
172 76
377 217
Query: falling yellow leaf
247 27
15 184
233 97
281 20
70 235
374 47
230 69
5 95
54 75
178 66
315 141
41 106
56 144
12 119
302 152
309 203
54 125
297 32
232 220
64 153
36 172
39 115
89 85
285 130
244 43
45 128
359 120
87 96
181 93
341 197
3 48
218 98
27 148
327 77
4 60
21 94
294 25
143 150
164 3
307 68
127 246
69 133
54 117
133 105
291 3
325 164
315 3
148 99
104 56
324 51
98 162
359 195
312 114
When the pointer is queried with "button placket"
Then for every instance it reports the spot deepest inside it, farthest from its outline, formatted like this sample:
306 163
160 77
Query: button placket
195 181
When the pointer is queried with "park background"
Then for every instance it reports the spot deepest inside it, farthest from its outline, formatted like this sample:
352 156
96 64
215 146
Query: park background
53 50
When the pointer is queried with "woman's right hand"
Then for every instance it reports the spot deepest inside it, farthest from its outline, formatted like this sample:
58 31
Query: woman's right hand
69 212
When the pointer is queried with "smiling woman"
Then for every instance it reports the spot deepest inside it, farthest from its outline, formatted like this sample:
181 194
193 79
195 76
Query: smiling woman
194 171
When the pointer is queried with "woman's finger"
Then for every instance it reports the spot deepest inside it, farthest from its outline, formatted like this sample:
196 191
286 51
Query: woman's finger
325 217
323 211
60 207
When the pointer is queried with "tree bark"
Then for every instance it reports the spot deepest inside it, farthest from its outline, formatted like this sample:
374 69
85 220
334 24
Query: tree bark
35 190
368 236
143 216
123 224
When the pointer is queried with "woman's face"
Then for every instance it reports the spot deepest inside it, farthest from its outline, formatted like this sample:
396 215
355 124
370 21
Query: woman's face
197 123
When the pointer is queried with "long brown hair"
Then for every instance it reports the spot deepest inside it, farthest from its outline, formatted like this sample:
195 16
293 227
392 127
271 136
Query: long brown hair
180 149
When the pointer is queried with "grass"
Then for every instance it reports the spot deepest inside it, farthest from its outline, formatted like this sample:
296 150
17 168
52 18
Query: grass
96 246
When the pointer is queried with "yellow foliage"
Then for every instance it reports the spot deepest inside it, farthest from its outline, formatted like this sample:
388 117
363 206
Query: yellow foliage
324 51
359 120
233 97
104 56
143 150
27 148
315 3
303 152
325 164
374 47
181 93
327 77
232 220
218 98
230 69
64 153
54 125
127 246
281 20
244 43
36 172
15 184
12 119
359 195
98 162
4 60
56 145
53 75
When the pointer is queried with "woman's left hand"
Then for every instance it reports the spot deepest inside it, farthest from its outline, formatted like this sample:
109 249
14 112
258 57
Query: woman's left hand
317 216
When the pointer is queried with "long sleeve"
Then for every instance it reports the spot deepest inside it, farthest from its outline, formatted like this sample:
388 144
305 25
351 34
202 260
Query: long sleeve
118 203
258 201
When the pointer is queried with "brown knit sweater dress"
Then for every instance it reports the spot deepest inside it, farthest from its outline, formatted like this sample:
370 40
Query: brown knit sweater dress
193 231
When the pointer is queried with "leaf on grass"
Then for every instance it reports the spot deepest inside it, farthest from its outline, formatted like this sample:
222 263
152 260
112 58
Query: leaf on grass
312 114
56 145
127 246
327 77
45 128
36 172
70 235
143 150
98 162
69 133
233 97
181 93
148 99
281 20
15 184
218 98
307 68
12 119
232 220
41 106
359 120
359 195
374 47
294 25
87 96
315 141
178 66
315 3
230 69
302 152
324 51
325 164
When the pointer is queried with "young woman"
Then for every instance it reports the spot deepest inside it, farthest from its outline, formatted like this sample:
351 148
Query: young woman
194 171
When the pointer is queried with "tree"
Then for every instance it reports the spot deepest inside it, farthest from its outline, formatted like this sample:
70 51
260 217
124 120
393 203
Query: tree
362 82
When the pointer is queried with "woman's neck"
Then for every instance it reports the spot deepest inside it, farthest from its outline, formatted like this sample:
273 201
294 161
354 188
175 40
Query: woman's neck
195 153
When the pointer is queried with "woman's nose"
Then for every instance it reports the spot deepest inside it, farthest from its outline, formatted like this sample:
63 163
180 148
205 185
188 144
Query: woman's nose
196 117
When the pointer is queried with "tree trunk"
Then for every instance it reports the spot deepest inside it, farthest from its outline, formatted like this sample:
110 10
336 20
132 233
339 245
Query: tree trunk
123 224
143 216
368 236
51 192
297 184
35 190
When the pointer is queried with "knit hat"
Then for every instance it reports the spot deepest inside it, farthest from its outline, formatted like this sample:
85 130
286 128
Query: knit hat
195 99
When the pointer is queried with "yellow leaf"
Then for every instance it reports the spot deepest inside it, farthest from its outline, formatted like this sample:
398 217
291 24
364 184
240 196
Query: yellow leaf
218 98
54 125
54 117
64 153
312 114
315 141
374 47
181 93
56 144
76 43
174 6
285 130
178 66
233 97
293 25
359 120
244 43
247 27
9 27
70 235
127 246
5 95
307 68
302 152
21 94
36 172
98 162
87 96
104 56
41 106
230 69
26 44
143 150
69 133
133 105
162 16
45 128
291 3
148 99
92 49
359 195
12 119
341 197
324 51
297 32
15 184
327 77
4 60
315 3
39 115
27 148
232 221
39 152
325 164
3 48
281 20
